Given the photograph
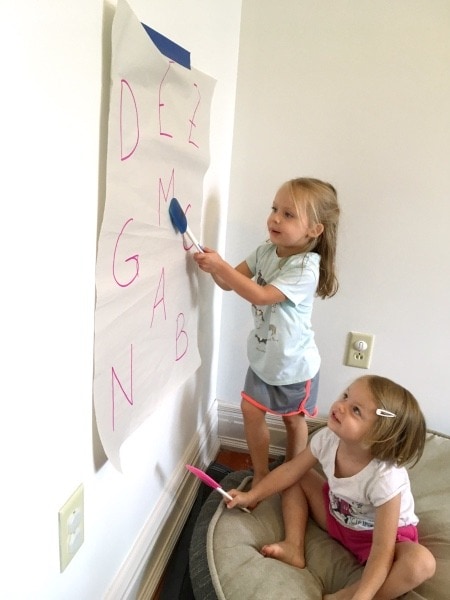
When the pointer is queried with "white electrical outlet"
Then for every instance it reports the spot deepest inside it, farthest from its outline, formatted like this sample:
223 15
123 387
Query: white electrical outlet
71 527
359 349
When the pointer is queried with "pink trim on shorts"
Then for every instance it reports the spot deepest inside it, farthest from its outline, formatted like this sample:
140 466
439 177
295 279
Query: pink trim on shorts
360 542
299 410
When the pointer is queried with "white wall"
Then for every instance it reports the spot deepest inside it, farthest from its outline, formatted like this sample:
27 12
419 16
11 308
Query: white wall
358 93
55 60
355 92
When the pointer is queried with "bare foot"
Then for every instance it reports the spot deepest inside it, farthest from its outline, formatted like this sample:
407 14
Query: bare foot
286 552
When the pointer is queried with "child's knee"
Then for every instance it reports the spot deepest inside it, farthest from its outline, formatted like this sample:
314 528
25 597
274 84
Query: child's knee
422 565
427 564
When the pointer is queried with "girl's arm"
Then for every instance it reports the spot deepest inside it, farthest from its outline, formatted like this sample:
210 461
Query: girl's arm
276 481
239 279
381 554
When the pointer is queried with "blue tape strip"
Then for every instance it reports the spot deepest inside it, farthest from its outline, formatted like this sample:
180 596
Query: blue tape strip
169 48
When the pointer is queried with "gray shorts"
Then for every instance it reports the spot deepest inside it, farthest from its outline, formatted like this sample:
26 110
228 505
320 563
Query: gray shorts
297 398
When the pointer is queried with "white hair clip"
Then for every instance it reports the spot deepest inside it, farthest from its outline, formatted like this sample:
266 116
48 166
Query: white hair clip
382 412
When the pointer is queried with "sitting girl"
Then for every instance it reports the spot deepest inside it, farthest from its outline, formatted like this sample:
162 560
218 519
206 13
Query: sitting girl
373 430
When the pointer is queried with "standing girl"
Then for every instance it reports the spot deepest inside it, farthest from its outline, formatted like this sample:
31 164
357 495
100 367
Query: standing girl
365 502
281 279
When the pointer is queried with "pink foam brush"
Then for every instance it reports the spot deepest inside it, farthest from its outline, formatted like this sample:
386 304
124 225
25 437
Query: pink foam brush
213 484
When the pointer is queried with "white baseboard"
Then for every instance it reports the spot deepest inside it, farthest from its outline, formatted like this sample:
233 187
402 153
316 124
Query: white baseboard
144 567
231 430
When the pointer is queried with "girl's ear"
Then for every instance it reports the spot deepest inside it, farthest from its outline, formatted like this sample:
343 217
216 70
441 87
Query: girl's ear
316 230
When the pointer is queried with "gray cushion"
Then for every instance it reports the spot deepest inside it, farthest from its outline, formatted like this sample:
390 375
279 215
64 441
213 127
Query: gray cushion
225 559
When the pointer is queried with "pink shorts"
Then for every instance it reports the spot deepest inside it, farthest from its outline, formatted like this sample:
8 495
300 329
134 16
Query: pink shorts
360 542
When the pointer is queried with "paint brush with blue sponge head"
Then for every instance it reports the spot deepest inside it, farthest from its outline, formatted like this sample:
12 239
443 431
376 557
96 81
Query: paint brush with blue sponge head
180 223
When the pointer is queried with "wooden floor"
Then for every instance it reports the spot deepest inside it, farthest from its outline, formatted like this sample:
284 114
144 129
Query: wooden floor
238 461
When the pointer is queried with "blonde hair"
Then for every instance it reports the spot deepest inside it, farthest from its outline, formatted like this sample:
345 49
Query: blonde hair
318 201
399 439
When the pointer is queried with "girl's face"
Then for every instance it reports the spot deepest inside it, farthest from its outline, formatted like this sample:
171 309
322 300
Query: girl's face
353 414
289 230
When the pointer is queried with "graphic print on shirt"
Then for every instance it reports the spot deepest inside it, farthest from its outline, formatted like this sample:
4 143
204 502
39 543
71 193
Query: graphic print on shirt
349 514
267 330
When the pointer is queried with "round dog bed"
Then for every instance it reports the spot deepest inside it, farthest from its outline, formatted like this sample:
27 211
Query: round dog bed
226 564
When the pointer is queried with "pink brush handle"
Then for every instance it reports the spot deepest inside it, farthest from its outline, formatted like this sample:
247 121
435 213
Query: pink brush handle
210 481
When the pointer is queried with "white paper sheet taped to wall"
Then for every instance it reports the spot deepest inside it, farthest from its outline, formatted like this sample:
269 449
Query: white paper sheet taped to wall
146 306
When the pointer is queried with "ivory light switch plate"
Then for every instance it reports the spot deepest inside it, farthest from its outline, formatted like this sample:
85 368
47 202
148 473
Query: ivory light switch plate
71 527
